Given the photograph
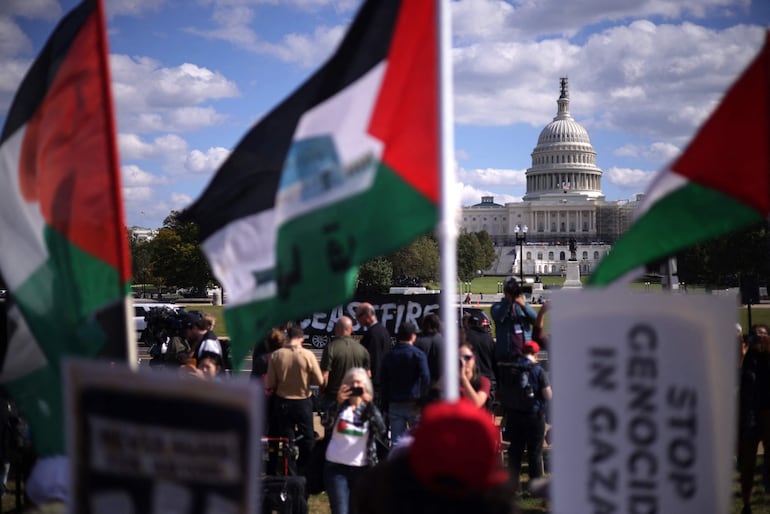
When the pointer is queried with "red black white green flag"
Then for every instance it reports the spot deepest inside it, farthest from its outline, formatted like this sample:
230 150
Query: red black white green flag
344 170
64 251
719 184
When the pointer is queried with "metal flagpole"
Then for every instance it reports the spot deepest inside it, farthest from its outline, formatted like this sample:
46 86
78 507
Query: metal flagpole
447 229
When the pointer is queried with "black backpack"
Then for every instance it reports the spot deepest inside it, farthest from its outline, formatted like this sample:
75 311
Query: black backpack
516 386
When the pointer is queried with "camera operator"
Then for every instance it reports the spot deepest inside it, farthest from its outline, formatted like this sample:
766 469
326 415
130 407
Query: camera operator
514 318
165 328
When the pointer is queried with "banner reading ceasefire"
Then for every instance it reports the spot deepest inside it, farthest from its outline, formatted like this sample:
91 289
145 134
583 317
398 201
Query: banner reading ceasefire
644 402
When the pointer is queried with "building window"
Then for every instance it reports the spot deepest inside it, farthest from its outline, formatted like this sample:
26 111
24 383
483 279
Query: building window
563 226
571 226
529 256
561 256
540 227
585 226
540 256
596 256
585 255
553 226
550 256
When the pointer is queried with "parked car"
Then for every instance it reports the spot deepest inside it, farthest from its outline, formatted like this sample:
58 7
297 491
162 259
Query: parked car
486 323
140 312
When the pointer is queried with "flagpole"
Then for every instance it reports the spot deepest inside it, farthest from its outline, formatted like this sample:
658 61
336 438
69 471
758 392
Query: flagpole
124 270
447 229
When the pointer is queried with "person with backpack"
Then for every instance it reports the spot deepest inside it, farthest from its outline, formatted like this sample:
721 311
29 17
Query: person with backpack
523 391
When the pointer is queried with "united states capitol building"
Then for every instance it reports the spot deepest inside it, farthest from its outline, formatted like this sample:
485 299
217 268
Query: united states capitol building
563 201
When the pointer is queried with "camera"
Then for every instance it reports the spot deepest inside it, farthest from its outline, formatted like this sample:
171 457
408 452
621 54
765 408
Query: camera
356 391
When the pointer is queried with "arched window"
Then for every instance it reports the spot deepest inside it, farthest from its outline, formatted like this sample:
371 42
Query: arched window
550 256
529 256
540 256
561 256
596 256
585 255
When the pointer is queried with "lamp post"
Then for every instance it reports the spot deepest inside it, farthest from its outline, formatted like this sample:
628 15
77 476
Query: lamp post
521 236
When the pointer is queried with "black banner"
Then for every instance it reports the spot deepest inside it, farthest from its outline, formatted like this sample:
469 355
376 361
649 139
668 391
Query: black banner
391 311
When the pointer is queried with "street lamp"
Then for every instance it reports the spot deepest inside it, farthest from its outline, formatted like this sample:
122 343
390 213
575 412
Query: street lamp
521 236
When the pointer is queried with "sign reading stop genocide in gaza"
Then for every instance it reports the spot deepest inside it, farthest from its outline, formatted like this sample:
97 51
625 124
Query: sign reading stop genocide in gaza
644 389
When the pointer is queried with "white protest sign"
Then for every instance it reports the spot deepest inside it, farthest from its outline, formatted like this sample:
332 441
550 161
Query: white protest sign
643 415
156 443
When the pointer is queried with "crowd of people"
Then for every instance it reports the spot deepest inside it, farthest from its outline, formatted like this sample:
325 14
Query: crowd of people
380 405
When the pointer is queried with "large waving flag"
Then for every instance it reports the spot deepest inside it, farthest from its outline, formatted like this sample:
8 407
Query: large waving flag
719 184
343 170
63 247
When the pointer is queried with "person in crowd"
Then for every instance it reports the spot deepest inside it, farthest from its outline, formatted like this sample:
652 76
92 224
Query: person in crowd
451 467
291 372
405 380
376 340
208 366
483 346
474 386
198 334
514 318
753 409
356 423
431 342
342 354
539 334
525 424
262 351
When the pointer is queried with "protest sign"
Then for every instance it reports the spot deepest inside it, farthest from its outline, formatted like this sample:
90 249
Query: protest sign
643 414
153 443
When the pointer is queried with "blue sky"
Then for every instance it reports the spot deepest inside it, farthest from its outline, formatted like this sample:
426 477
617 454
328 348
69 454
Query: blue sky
190 77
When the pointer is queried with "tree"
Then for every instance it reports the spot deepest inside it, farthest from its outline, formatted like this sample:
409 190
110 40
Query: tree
177 258
721 262
374 276
488 253
141 261
468 256
418 261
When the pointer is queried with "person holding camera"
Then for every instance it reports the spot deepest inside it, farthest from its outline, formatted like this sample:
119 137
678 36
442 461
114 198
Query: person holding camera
514 319
352 444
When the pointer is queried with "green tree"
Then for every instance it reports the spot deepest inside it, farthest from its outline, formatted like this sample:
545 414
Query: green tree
177 258
141 261
721 262
488 254
418 260
374 276
468 256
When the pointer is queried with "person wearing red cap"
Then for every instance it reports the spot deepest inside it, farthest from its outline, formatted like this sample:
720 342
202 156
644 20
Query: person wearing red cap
451 467
525 421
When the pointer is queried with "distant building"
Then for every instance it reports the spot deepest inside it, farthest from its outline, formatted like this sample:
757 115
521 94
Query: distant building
563 200
142 235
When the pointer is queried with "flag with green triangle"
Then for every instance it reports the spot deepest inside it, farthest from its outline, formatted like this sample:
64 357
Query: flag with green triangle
720 183
64 251
344 170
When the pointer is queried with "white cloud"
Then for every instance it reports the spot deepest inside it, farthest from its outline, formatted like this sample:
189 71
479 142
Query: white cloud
166 147
135 177
471 195
33 9
659 152
659 81
492 177
308 50
200 162
131 7
180 200
627 178
151 97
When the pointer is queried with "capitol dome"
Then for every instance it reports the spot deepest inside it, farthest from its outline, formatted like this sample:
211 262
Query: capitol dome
563 162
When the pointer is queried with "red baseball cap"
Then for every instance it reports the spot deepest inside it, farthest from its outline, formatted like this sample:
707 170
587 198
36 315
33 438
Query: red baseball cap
535 347
456 449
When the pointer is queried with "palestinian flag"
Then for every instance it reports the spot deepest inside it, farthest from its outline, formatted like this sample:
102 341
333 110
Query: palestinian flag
64 253
719 184
344 170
